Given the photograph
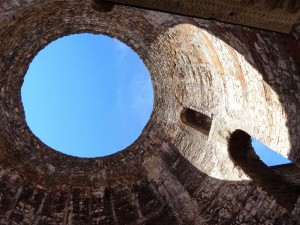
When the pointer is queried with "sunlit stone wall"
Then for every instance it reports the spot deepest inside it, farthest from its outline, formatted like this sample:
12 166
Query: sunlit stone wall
173 174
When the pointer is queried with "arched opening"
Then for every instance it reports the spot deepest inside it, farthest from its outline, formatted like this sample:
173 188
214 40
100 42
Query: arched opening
87 95
196 120
278 185
267 155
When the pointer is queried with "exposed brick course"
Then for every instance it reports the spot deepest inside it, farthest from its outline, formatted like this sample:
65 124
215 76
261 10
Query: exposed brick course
242 78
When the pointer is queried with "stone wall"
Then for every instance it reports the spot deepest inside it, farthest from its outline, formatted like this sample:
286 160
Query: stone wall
264 14
173 174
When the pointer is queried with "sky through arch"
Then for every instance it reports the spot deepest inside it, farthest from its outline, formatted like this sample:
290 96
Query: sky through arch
267 155
91 95
87 95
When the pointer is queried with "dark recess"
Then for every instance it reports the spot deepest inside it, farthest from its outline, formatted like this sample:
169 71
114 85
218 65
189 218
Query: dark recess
196 120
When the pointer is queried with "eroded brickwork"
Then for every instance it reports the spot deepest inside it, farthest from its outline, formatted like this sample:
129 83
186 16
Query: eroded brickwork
173 174
265 14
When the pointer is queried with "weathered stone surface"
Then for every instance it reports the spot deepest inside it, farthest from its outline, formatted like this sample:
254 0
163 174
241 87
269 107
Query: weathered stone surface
264 14
173 174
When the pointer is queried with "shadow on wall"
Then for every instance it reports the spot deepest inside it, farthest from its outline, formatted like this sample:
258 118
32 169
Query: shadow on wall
213 201
213 196
282 189
275 181
178 191
277 58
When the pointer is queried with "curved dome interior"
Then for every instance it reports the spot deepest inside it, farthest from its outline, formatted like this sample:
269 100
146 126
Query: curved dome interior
209 80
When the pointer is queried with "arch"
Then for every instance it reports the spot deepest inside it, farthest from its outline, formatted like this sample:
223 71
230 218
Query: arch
241 151
183 177
196 120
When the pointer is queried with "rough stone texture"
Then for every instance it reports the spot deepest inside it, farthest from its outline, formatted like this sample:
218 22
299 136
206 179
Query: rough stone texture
279 185
242 78
275 15
289 171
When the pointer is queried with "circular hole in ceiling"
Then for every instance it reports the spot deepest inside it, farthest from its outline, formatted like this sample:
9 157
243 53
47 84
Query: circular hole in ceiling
87 95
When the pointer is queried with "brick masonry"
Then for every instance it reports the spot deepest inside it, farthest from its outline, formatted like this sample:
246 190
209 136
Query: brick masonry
264 14
242 78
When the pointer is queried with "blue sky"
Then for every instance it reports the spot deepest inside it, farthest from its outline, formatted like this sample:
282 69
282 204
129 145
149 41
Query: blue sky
90 95
267 155
87 95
